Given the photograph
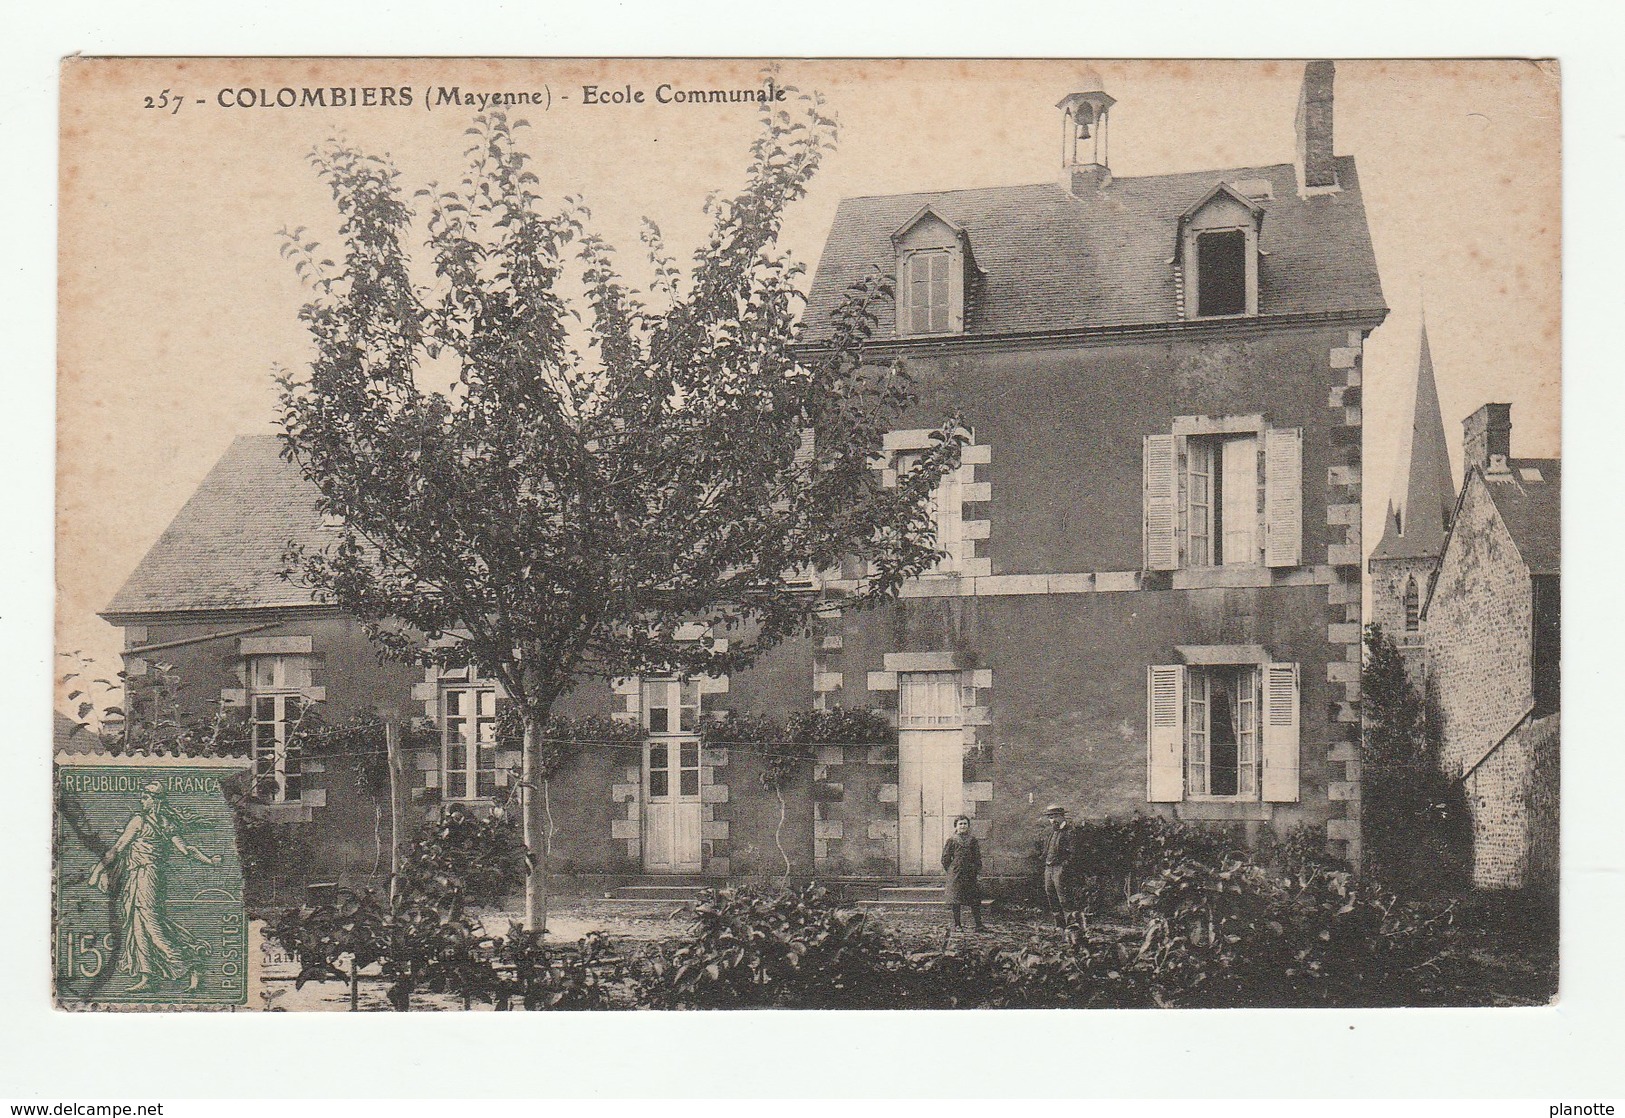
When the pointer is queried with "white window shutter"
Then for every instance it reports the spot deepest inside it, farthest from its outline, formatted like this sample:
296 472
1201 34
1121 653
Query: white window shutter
956 292
1280 733
1165 733
1161 486
1283 497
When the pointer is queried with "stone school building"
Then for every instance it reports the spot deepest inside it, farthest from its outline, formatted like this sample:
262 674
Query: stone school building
1151 600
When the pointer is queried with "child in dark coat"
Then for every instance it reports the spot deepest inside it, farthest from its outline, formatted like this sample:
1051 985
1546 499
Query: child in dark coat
962 859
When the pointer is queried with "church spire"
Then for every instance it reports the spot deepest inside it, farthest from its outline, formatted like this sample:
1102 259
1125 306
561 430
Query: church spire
1424 490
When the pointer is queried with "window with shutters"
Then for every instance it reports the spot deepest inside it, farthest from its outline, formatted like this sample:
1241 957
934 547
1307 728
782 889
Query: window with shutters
946 511
934 266
1223 492
468 738
926 291
277 704
1222 732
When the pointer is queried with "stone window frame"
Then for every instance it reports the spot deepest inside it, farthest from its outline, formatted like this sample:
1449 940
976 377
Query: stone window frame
959 486
476 689
294 648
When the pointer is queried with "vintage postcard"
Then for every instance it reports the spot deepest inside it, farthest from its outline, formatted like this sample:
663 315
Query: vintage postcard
661 534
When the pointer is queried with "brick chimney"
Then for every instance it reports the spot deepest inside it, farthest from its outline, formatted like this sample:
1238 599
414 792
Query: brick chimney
1487 439
1316 171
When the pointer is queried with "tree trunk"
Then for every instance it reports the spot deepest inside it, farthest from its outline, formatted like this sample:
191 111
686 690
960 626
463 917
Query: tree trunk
535 828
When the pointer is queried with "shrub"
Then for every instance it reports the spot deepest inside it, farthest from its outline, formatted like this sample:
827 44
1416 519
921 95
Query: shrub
549 976
1114 856
753 949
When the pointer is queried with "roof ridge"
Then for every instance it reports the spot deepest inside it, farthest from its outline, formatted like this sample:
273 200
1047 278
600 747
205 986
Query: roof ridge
1059 189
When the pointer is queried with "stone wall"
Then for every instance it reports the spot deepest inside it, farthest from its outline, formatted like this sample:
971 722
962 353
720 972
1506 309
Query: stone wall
1513 797
1480 633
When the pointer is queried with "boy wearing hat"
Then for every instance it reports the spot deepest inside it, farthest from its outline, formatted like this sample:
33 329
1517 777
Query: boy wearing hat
1060 844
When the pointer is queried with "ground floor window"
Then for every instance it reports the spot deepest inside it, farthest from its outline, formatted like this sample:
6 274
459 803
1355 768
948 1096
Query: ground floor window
1221 729
277 706
469 742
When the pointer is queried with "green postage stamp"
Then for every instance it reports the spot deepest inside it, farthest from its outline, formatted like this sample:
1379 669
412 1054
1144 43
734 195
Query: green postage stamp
149 891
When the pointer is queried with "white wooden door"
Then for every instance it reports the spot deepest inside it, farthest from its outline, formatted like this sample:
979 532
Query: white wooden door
671 806
930 768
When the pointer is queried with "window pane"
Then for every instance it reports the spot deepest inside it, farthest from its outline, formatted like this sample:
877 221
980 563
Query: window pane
488 704
690 720
659 784
264 708
261 675
486 783
657 755
1239 498
487 730
292 786
688 782
657 720
454 702
689 755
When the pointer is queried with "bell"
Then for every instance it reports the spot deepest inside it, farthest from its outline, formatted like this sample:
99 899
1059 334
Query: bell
1083 116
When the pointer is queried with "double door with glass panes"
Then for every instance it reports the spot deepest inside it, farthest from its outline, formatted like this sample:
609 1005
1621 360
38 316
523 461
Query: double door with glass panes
930 768
277 707
671 777
470 727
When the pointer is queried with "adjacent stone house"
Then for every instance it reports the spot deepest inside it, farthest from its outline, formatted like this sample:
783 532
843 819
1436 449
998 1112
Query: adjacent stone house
1493 621
1151 600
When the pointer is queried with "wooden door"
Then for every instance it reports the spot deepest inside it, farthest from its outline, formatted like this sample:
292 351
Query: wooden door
930 768
671 806
929 794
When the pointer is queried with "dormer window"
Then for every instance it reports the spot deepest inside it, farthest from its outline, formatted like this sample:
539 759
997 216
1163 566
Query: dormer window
1221 273
924 290
933 265
1217 251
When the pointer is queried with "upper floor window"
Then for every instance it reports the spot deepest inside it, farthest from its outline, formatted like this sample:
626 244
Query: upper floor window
925 291
1221 270
1223 491
946 510
1217 248
277 686
469 741
933 263
1413 605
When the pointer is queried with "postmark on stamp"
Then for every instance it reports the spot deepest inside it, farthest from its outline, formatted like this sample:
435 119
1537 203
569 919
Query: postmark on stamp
149 890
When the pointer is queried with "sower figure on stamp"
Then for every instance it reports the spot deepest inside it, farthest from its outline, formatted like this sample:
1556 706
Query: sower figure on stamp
135 866
962 859
1060 848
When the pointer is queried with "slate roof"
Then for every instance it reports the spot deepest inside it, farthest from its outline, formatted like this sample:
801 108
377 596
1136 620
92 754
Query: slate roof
224 548
1532 510
1052 261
